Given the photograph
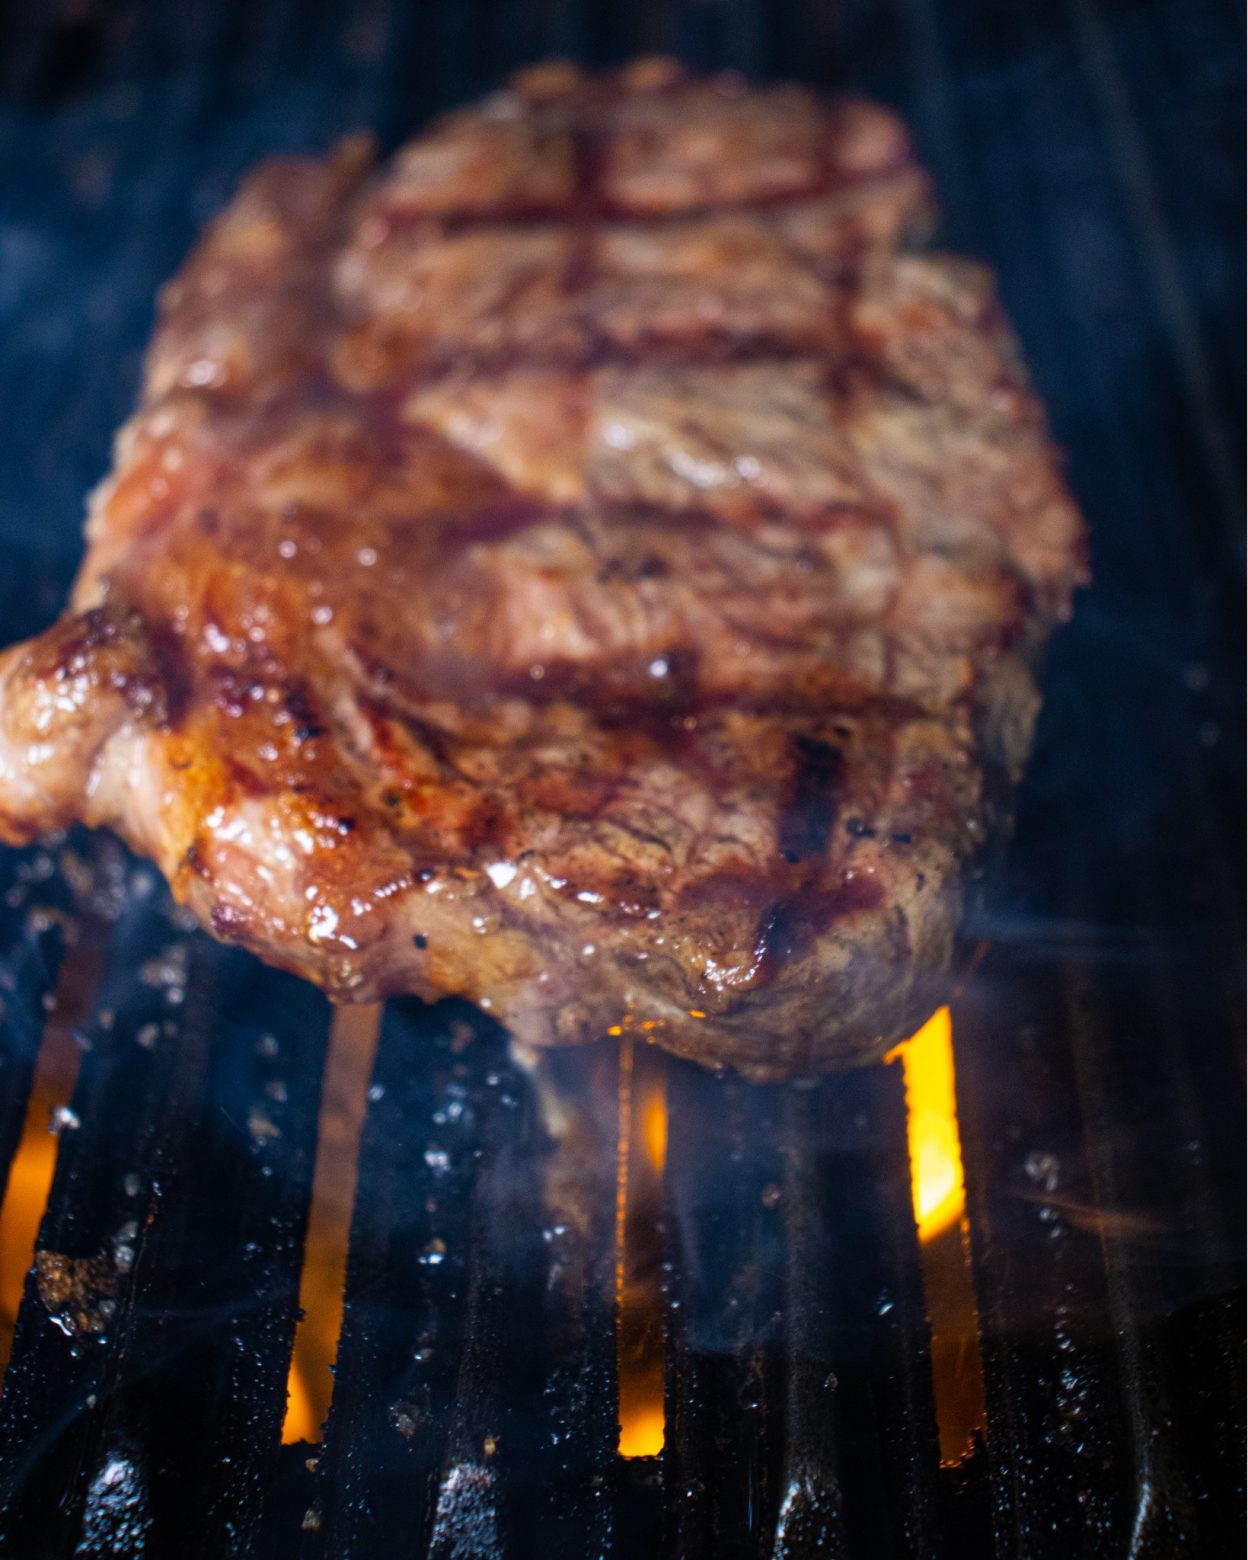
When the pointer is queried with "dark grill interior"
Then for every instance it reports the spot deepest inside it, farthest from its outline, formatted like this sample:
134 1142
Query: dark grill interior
1090 151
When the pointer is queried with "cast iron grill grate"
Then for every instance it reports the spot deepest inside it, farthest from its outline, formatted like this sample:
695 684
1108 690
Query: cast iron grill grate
1099 1074
475 1407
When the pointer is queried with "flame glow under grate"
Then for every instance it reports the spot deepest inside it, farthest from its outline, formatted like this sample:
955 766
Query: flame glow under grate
344 1101
937 1185
642 1151
938 1192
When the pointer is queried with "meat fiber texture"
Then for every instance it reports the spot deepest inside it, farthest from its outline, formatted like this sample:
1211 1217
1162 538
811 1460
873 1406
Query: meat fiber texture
595 564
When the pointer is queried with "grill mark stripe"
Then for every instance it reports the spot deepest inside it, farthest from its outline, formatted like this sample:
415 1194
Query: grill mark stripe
818 778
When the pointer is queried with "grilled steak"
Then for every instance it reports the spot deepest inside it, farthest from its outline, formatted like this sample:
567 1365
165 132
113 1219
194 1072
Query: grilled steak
592 565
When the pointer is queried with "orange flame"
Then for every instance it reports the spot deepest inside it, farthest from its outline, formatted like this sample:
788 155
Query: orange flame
34 1164
642 1423
29 1184
654 1131
938 1193
937 1186
642 1153
344 1101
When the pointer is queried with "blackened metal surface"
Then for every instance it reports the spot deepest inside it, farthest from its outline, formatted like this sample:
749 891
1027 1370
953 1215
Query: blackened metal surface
32 904
1090 150
726 1317
145 1393
566 1503
860 1428
420 1420
800 1411
474 1400
1057 1439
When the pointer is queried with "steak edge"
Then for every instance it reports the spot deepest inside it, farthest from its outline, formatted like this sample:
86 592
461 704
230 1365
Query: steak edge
595 564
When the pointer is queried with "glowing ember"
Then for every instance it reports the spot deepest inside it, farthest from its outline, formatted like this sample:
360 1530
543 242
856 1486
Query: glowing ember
344 1100
642 1424
654 1130
642 1152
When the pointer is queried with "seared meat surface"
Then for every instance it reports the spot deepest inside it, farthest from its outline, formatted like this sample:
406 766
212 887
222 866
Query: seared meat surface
591 565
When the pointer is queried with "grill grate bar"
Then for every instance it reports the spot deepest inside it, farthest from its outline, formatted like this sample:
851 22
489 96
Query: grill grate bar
1130 159
437 1074
489 1424
800 1414
1159 567
567 1499
1152 1136
54 1384
812 1510
886 1323
143 1402
32 906
1057 1445
1163 1519
859 1406
725 1389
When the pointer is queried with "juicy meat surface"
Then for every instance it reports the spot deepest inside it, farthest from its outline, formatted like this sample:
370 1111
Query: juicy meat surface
593 565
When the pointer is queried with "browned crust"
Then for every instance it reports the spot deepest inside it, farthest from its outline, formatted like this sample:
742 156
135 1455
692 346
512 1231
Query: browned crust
584 567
